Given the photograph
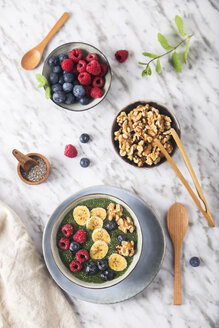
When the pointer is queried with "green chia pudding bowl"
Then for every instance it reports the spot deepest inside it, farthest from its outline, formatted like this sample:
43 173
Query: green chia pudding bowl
125 252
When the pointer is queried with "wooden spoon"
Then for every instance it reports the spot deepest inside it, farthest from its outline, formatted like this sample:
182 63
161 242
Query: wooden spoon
177 223
32 58
25 161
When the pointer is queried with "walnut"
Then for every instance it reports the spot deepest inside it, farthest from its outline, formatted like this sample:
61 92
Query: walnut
114 212
127 248
125 225
137 131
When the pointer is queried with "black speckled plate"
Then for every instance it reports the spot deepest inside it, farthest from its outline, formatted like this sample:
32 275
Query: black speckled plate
153 248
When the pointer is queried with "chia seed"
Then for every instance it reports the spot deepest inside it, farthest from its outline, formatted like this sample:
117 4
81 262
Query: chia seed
37 172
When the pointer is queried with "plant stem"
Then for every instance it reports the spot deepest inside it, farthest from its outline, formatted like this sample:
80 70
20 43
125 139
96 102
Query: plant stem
166 53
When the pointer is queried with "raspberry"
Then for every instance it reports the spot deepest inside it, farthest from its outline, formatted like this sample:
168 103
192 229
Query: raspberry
70 151
98 82
87 89
96 93
121 55
75 55
75 266
67 65
64 243
80 236
103 69
75 71
81 66
93 67
84 78
91 57
82 255
67 230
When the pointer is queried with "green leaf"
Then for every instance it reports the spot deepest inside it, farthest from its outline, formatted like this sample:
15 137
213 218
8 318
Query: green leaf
186 51
43 81
163 41
176 62
148 70
143 73
148 54
179 24
140 63
48 93
158 67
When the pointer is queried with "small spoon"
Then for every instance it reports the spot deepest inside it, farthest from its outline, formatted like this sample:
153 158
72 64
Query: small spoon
25 161
32 58
177 223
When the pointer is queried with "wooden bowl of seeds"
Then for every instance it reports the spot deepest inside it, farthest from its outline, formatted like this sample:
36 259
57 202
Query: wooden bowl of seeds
38 173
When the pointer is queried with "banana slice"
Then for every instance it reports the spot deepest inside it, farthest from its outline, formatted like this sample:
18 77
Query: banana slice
117 262
98 250
81 214
101 234
94 222
98 211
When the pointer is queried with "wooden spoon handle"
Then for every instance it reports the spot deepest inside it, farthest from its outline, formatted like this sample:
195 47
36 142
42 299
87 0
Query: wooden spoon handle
177 298
55 28
20 157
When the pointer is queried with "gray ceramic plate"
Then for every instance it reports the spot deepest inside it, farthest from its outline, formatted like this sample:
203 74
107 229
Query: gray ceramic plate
86 48
145 271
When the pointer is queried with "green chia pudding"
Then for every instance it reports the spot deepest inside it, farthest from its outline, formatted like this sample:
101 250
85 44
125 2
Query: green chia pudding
102 251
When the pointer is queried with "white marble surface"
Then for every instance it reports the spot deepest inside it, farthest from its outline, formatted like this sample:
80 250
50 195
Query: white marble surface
31 123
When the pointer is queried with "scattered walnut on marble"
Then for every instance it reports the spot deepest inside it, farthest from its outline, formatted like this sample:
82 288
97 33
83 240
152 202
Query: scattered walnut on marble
114 211
137 132
127 248
125 225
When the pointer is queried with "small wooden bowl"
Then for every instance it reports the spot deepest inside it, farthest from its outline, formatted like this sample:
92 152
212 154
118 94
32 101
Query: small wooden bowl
163 110
39 181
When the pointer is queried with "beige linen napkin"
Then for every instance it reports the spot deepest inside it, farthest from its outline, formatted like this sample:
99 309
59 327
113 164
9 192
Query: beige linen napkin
28 296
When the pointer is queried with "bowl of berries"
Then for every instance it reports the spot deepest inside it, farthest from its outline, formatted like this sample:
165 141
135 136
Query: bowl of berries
78 74
96 241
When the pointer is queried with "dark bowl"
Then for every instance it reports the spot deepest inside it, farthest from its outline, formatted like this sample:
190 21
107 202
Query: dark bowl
86 48
163 110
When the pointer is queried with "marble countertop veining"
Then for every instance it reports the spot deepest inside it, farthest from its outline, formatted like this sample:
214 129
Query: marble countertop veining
31 123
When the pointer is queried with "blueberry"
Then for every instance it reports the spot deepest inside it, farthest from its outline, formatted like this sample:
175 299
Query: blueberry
111 225
68 77
84 162
62 57
74 246
102 264
84 138
57 69
56 87
59 97
84 100
76 82
53 77
53 61
67 87
61 80
69 98
107 275
121 238
194 261
78 91
91 269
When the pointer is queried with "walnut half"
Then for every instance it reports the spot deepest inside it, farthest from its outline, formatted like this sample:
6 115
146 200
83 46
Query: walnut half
127 248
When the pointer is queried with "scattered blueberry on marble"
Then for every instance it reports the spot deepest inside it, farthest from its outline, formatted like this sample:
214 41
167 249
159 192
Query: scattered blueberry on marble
69 98
53 61
111 225
56 87
194 261
84 162
53 77
84 138
84 100
74 246
59 97
102 264
121 238
78 91
107 275
91 269
67 87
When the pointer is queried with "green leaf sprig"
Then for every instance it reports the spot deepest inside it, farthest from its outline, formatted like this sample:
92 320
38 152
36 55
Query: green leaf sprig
176 62
44 83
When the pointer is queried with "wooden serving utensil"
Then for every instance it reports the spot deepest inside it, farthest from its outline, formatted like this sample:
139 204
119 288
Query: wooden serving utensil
177 223
206 212
25 161
32 58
